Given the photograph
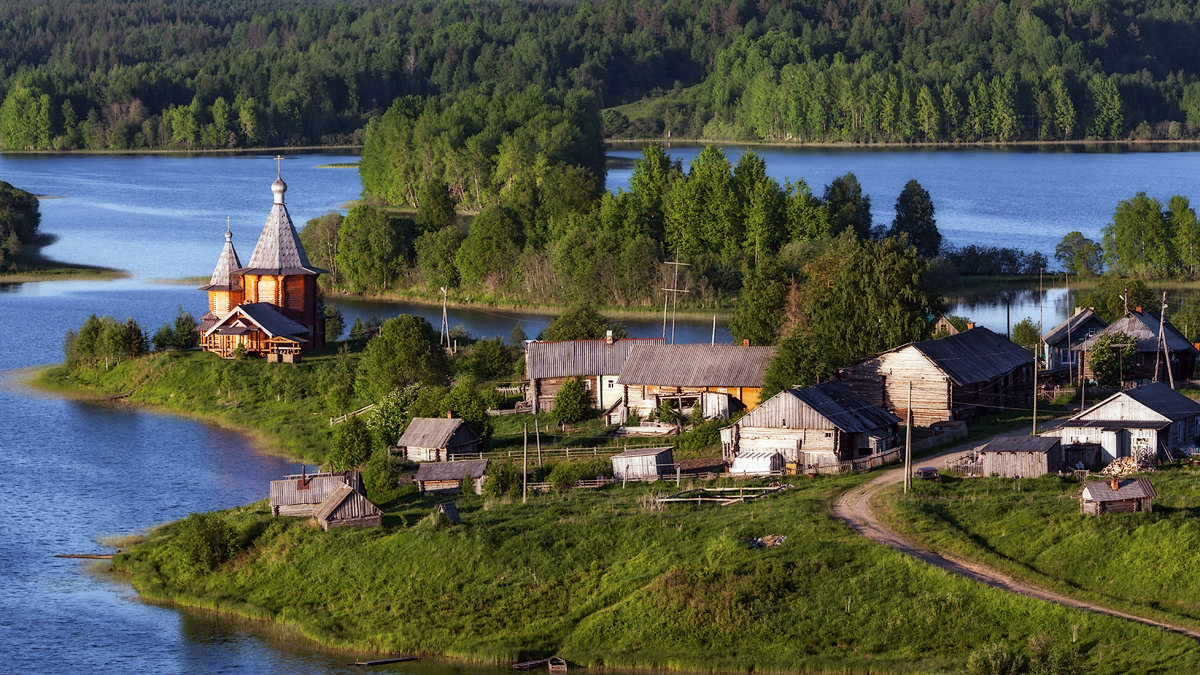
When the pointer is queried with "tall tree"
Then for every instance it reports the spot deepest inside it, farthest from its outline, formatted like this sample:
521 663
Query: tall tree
405 352
914 220
1138 241
848 208
1079 255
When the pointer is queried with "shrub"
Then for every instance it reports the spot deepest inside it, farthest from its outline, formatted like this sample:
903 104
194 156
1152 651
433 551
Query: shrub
503 479
571 401
351 445
566 473
381 476
995 659
202 544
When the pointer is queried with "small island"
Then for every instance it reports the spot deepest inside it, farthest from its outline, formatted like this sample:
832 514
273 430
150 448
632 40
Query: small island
21 244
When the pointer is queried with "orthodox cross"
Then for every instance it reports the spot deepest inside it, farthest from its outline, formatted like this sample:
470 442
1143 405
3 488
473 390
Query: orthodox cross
278 166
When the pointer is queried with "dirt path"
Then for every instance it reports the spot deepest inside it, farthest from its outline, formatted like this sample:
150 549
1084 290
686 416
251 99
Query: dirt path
854 508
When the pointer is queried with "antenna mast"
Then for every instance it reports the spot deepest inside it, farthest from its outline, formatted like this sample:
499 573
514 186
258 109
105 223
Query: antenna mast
674 290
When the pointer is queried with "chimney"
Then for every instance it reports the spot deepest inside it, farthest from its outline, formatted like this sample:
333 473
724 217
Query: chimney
1078 310
746 342
449 414
1138 309
608 338
1114 483
970 325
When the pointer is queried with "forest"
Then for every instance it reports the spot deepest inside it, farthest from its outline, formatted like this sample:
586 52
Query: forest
185 74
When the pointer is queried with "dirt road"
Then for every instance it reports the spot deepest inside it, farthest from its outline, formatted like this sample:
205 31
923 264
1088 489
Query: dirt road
854 507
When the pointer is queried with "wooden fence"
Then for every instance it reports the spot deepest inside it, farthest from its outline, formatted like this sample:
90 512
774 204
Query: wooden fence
552 453
343 418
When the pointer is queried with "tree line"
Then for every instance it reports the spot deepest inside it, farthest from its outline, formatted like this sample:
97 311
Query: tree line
1146 239
114 74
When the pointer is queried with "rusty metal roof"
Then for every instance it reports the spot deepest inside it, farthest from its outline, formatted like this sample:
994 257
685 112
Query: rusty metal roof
223 276
578 357
976 355
1127 488
279 250
430 432
471 468
696 365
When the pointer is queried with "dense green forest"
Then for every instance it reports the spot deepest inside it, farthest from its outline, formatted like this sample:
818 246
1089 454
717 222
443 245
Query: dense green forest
186 74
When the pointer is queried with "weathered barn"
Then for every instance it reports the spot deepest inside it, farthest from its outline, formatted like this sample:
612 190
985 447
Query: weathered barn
953 378
1150 422
643 464
300 494
437 439
681 374
1060 343
1124 495
596 362
757 463
942 327
1142 328
817 428
1022 456
346 507
449 476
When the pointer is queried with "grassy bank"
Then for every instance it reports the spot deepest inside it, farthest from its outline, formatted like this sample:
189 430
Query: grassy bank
607 579
30 265
1032 529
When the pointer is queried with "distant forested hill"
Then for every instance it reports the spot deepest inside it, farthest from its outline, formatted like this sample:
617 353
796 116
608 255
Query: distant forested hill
224 73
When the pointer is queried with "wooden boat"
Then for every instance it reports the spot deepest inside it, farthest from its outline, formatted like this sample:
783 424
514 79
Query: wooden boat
557 665
530 665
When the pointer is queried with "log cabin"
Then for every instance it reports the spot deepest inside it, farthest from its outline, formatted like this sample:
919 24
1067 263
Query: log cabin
434 477
597 362
815 428
722 378
953 378
268 307
436 439
1151 422
1142 328
1060 344
1117 495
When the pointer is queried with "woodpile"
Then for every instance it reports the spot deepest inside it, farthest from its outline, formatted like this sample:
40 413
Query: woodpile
1125 466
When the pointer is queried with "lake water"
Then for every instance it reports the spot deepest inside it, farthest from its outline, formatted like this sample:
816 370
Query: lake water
82 470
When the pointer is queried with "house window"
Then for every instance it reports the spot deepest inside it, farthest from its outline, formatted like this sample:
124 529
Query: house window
612 384
1091 332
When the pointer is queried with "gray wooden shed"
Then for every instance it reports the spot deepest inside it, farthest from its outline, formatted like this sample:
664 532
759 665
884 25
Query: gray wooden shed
449 476
1125 495
643 464
300 494
346 507
1022 456
437 439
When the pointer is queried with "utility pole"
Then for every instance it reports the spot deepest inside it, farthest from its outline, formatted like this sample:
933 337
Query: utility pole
1159 344
908 442
537 434
525 467
1070 318
1035 393
674 290
444 338
714 334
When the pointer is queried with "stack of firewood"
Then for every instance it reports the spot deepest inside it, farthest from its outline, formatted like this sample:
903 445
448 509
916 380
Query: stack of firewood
1124 466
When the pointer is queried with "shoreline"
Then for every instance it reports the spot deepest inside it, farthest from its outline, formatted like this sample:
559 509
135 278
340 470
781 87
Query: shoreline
33 266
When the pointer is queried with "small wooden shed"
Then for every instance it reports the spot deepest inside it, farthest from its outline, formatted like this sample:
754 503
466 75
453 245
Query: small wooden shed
436 439
1022 456
1117 495
449 476
300 494
643 464
346 507
756 463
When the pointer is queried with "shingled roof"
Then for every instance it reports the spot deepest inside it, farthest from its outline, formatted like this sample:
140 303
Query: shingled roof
279 250
696 365
579 357
1143 328
223 277
976 355
262 315
1127 488
429 432
831 400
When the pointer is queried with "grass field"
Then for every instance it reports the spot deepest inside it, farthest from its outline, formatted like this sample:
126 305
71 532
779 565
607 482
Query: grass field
1032 528
607 578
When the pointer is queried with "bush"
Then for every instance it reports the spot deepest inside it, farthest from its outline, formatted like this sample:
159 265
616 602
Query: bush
202 544
995 659
352 445
503 479
381 476
566 473
571 401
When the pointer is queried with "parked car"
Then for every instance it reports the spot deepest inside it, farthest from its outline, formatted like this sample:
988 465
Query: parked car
928 473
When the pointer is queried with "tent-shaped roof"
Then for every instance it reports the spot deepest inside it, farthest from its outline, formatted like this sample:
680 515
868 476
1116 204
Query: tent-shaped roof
1075 326
337 496
831 400
223 276
976 355
262 315
471 468
279 250
1127 488
1157 397
579 357
1143 328
696 365
430 432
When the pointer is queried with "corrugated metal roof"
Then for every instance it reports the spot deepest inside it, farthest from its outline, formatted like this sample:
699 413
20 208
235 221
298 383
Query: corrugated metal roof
1143 328
1127 488
1076 326
429 432
279 250
578 357
265 316
472 468
223 276
696 365
831 400
1021 444
976 355
1158 397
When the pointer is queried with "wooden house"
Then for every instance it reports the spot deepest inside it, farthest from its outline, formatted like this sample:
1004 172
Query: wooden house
1117 495
449 476
1060 344
643 464
277 291
436 439
721 377
816 428
301 494
952 378
346 507
1022 456
1149 422
596 362
942 327
1142 329
757 463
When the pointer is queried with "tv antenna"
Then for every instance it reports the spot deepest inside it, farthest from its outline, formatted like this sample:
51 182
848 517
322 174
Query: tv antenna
444 338
674 290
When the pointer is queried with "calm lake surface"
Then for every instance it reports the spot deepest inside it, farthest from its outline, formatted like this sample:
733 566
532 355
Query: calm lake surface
87 470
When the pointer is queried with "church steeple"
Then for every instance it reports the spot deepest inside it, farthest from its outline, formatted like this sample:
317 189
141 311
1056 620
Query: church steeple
223 276
279 251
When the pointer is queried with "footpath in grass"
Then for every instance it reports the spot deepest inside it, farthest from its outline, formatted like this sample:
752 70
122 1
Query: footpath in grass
1144 563
609 578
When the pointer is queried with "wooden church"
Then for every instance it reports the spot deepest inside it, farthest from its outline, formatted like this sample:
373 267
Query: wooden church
269 306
